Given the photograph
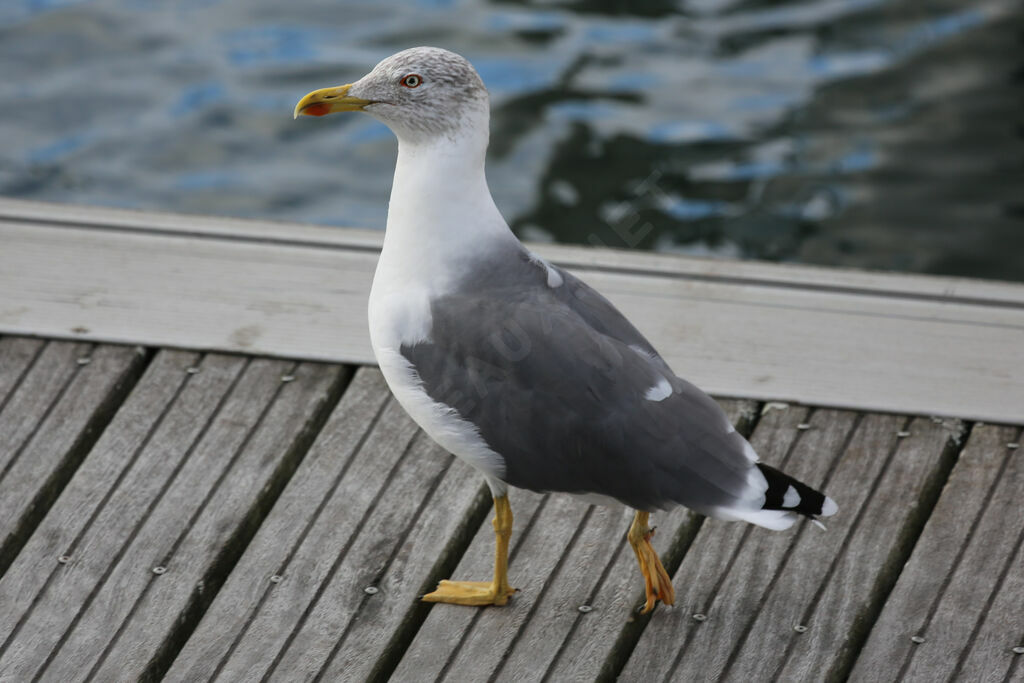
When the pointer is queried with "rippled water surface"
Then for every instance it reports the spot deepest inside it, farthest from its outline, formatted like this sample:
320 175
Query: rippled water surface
885 134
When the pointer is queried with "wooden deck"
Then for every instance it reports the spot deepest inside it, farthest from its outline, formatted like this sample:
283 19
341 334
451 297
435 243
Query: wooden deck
190 517
202 479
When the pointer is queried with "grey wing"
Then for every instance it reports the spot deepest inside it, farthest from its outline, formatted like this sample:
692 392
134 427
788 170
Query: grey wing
599 313
571 407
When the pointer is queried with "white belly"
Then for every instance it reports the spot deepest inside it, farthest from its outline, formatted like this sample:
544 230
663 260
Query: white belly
404 318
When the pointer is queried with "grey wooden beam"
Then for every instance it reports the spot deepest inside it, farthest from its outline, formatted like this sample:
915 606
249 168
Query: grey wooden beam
869 341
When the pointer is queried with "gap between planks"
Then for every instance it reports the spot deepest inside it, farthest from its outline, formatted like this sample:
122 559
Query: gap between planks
85 415
773 583
231 552
319 398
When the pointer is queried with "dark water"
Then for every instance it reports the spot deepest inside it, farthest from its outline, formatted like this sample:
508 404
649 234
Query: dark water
871 133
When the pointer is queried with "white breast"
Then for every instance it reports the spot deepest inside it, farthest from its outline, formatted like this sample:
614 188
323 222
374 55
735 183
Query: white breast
403 317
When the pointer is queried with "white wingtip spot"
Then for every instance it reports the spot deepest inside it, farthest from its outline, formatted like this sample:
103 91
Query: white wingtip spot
751 454
769 519
791 499
829 507
554 277
660 391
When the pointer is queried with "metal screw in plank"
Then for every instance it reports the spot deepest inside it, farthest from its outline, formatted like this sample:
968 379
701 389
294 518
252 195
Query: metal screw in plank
275 578
803 426
160 569
287 378
917 640
585 608
700 617
192 370
371 590
902 434
84 360
64 559
800 628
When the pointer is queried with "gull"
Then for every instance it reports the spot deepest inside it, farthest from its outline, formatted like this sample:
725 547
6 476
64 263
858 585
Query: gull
515 365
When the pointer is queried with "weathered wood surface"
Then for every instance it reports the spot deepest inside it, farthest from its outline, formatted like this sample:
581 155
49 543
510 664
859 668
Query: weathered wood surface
330 237
271 506
374 505
866 341
564 555
790 605
962 591
156 514
17 356
59 395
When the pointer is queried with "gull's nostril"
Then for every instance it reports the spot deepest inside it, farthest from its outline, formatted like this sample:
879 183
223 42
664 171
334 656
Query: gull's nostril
329 97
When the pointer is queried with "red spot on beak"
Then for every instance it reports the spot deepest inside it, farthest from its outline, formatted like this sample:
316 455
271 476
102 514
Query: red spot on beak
318 109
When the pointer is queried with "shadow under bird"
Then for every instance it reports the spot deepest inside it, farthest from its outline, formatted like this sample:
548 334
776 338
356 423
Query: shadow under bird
518 367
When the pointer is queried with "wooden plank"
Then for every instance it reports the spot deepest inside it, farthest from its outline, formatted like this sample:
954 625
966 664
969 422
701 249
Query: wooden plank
378 634
962 590
209 505
177 494
374 504
450 642
564 554
28 405
835 586
840 338
17 355
827 584
146 409
725 569
65 394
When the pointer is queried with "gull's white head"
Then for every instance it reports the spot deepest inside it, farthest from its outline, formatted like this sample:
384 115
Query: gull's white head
420 93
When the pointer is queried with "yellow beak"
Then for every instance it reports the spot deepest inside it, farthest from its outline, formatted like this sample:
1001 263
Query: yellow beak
329 100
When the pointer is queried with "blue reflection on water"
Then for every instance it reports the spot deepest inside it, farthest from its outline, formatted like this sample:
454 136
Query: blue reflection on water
198 96
935 30
268 45
207 180
857 160
511 75
690 209
689 131
58 149
610 34
582 110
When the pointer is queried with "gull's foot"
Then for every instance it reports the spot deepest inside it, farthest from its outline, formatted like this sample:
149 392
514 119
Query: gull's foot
657 584
470 593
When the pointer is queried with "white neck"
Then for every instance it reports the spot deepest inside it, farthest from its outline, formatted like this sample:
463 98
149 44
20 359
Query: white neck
441 212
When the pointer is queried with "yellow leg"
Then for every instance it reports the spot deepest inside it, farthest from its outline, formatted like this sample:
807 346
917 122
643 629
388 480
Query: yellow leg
657 584
494 592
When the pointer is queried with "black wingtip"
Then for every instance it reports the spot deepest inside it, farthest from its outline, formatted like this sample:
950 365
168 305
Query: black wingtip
786 493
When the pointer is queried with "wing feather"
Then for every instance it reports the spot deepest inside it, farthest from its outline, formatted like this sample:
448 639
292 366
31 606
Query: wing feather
556 379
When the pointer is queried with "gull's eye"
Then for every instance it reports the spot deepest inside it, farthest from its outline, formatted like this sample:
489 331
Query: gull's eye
411 81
